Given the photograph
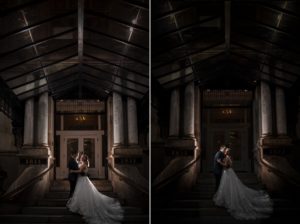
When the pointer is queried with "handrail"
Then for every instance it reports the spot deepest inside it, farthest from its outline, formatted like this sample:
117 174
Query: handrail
273 169
23 187
128 180
175 176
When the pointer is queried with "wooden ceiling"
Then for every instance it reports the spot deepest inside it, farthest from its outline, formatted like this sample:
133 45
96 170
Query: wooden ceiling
75 49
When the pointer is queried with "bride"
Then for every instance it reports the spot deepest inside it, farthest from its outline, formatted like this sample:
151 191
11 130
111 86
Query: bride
95 207
241 202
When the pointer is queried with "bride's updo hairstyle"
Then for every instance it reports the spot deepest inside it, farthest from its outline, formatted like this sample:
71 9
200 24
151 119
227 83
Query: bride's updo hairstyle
85 159
227 149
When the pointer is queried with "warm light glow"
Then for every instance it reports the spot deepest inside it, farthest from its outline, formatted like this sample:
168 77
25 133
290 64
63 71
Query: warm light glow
80 118
227 111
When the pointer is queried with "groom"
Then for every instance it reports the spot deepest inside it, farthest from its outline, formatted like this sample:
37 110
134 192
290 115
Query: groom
218 166
72 165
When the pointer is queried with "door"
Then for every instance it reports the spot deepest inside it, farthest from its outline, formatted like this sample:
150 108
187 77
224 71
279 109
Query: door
90 144
237 140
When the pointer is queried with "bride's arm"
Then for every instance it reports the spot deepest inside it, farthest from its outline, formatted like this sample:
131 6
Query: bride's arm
228 162
81 169
222 162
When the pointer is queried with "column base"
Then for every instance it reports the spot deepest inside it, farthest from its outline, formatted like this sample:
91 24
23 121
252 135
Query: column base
282 140
35 151
118 145
34 155
127 155
180 147
275 145
188 137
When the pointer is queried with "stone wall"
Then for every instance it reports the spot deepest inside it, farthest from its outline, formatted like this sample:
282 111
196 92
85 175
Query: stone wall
8 160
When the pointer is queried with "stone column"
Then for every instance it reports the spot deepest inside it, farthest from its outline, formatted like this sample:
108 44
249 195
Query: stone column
280 112
118 122
266 109
42 127
29 123
132 121
189 111
174 113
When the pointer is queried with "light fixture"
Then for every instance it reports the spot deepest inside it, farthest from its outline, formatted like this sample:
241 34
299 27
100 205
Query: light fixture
133 21
131 29
80 118
227 111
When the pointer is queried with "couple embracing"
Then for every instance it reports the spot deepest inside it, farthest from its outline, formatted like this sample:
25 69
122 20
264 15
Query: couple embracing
84 197
241 202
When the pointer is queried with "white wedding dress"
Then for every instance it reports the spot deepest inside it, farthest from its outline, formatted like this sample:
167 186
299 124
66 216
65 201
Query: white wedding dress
95 207
241 201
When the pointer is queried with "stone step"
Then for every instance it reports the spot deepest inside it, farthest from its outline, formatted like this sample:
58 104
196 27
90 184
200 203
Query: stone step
211 181
9 208
67 188
63 185
38 210
195 212
211 188
62 202
208 203
194 195
239 174
216 211
41 218
74 219
65 194
223 220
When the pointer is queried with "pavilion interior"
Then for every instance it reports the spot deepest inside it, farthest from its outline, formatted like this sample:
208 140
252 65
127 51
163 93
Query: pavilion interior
239 63
70 69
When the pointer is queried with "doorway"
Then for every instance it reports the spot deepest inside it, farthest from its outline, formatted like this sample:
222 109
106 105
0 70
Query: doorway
89 142
230 126
236 137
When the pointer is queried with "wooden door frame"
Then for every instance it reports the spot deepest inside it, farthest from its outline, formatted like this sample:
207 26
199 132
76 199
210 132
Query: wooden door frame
99 170
245 163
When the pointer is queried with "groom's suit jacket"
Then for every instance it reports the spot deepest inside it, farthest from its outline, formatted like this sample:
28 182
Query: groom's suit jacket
218 168
72 165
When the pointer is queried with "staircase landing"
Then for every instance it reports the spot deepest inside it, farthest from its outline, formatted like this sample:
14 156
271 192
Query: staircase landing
52 208
197 206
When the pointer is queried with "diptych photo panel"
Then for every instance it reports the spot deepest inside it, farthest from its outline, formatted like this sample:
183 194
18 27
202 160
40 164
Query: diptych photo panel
224 111
149 111
74 111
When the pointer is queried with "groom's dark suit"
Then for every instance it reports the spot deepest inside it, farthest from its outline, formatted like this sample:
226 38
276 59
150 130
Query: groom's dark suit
218 168
72 165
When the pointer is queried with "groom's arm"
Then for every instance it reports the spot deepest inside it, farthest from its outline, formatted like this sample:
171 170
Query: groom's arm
73 166
220 160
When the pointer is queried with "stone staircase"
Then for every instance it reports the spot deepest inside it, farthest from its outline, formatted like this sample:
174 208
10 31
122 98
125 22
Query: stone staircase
52 208
197 206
